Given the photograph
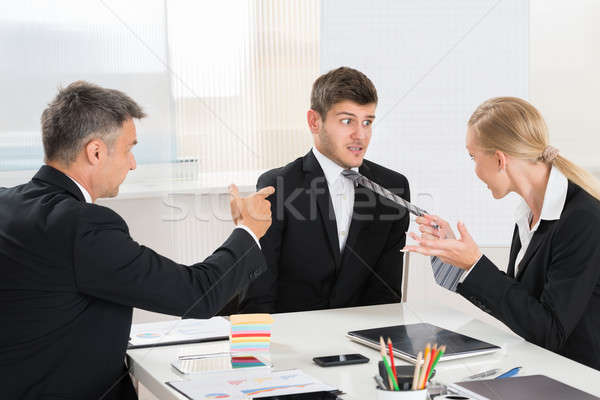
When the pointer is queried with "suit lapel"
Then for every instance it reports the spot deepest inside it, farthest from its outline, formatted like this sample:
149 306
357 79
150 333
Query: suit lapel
316 187
515 247
538 238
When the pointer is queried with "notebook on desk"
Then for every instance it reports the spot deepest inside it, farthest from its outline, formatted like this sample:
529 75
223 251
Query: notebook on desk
408 340
533 387
178 331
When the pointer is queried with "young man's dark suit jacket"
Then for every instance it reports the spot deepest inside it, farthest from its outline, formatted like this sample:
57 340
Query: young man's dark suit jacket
554 301
70 277
306 269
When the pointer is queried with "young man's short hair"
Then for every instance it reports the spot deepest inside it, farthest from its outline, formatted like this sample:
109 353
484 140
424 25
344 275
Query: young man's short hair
338 85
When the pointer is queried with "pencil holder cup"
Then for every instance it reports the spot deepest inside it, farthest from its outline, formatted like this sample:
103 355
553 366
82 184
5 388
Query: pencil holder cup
401 395
404 374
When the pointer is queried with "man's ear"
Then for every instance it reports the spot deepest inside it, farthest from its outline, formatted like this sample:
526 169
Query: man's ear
95 151
501 159
314 121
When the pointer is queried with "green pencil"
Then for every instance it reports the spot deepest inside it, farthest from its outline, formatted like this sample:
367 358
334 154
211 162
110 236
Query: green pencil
387 366
440 353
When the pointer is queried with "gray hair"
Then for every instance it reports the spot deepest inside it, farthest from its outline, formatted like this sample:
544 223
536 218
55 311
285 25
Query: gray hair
80 112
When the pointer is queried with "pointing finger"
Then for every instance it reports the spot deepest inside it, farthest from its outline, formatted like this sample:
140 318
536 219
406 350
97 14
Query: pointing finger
233 190
266 191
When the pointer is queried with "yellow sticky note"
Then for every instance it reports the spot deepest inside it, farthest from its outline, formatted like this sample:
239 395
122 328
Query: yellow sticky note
256 319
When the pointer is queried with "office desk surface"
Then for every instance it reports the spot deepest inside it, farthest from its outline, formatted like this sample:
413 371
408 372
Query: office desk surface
298 337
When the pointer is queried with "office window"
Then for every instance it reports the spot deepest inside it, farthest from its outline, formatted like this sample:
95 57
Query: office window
225 83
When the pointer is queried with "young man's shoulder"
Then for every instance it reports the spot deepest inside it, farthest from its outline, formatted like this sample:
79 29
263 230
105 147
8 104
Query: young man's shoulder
290 171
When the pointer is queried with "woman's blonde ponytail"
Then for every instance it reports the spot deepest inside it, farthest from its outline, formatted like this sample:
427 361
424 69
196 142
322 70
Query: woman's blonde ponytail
515 127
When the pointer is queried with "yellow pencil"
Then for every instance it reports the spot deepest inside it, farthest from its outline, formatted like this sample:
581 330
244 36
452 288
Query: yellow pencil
423 373
427 350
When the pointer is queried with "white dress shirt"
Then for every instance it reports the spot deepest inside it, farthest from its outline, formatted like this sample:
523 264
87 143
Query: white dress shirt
341 190
86 194
88 199
554 202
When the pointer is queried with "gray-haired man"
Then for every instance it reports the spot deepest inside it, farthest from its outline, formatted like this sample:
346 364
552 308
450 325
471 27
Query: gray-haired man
70 271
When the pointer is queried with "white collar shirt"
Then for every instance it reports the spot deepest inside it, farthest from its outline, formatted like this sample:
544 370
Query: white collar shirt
341 190
554 202
86 194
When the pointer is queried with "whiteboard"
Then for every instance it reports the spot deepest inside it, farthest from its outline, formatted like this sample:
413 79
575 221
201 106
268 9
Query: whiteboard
432 63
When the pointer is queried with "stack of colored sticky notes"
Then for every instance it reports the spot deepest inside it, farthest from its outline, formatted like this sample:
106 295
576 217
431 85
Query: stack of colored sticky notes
250 333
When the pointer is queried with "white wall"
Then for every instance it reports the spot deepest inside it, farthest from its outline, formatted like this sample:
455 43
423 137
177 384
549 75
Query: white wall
564 78
563 82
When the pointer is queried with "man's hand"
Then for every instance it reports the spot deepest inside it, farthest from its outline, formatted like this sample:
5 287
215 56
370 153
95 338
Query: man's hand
253 211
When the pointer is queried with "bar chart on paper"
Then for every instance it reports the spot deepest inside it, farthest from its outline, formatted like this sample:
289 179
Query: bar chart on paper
234 386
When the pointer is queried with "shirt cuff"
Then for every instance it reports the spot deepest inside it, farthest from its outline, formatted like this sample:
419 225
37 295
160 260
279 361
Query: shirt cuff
462 278
244 227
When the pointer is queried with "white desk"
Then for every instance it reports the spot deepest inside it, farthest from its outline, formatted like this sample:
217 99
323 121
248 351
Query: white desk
298 337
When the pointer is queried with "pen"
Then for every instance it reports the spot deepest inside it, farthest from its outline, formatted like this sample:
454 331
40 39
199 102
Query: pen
483 374
509 373
379 382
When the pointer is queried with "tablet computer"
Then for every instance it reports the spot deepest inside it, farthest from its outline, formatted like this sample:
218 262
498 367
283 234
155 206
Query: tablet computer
532 387
408 340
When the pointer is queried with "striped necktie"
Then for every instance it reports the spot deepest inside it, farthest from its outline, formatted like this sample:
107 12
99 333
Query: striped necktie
446 275
359 179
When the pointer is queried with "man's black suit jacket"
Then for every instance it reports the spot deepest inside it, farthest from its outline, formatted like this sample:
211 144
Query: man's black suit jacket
70 277
306 269
554 301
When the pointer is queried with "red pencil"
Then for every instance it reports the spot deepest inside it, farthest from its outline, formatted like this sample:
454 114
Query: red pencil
392 359
428 370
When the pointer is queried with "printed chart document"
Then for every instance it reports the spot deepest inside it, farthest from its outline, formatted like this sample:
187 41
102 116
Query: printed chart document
178 331
256 384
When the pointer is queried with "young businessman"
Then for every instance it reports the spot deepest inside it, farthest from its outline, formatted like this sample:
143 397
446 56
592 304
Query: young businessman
70 271
331 244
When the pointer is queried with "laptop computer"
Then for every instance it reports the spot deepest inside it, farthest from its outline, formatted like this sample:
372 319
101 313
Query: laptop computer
409 340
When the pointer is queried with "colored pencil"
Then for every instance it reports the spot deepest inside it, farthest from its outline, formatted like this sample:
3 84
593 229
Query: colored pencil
393 383
392 359
438 355
417 369
432 356
427 350
422 374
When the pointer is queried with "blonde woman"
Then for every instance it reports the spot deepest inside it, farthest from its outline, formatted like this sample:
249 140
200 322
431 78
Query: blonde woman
550 294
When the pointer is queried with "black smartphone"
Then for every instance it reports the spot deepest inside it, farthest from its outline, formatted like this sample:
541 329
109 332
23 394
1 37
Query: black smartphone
342 359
